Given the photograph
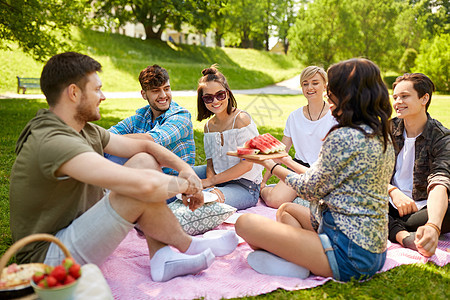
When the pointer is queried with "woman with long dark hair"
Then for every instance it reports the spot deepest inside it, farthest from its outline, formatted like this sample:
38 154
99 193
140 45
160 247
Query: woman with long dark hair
344 233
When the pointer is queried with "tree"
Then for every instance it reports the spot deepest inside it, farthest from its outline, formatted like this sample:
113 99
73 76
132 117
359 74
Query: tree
284 19
376 38
433 60
247 21
155 15
40 26
212 15
322 33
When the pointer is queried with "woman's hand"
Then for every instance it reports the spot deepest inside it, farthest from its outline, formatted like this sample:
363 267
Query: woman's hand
404 204
193 201
208 182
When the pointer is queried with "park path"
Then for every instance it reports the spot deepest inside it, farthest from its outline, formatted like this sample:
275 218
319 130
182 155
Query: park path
287 87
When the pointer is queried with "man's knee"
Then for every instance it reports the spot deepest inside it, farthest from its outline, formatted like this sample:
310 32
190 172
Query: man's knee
143 160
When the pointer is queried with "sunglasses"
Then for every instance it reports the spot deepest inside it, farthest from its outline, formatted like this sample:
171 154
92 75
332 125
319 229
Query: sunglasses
220 96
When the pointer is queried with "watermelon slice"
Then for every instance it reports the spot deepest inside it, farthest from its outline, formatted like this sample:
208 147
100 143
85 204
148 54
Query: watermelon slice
279 145
266 143
247 151
262 145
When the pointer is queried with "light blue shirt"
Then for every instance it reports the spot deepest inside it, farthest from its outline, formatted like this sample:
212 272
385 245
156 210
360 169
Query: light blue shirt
173 129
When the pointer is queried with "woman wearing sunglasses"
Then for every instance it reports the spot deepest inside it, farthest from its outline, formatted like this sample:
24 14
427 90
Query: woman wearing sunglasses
236 182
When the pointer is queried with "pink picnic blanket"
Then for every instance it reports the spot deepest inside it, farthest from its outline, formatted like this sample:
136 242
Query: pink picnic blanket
127 271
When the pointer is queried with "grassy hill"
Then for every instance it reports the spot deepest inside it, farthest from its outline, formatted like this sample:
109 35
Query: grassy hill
124 57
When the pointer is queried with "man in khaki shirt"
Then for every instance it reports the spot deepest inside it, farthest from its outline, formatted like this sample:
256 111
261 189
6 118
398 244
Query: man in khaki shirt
60 174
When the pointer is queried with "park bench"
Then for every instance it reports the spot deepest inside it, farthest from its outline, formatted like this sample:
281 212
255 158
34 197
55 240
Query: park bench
26 82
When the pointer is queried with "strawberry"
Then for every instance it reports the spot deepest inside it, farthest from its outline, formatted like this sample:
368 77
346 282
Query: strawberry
75 271
51 281
42 283
48 282
69 279
38 276
48 270
59 272
68 262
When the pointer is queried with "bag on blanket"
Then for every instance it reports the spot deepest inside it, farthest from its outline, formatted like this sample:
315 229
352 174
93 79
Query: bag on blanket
204 218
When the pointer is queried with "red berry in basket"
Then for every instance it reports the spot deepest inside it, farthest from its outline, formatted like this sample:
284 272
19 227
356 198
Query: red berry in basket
48 282
51 281
59 272
75 271
68 262
48 270
69 279
38 276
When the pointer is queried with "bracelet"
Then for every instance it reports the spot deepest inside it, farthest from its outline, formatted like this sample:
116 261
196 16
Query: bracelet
271 170
435 227
392 188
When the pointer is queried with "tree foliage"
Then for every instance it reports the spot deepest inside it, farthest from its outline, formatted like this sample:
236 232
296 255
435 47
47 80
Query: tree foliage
433 60
155 15
322 31
38 25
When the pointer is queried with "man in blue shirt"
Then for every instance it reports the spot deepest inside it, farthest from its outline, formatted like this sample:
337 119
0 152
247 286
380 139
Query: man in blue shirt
162 121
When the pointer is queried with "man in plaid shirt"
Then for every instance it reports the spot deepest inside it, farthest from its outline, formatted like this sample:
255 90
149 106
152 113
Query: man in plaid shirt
162 121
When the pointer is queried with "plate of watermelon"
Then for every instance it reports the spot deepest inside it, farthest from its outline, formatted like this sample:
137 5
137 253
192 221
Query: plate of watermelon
262 147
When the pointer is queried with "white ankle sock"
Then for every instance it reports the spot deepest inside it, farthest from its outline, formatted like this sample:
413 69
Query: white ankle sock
267 263
167 264
220 246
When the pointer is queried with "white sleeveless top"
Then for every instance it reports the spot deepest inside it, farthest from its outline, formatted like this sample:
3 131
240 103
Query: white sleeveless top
232 138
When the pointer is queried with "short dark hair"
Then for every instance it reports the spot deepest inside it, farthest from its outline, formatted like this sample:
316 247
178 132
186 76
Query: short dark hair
153 76
63 70
212 74
363 97
421 83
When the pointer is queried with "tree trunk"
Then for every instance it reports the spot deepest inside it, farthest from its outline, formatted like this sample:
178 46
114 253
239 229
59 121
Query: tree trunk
286 45
150 34
218 37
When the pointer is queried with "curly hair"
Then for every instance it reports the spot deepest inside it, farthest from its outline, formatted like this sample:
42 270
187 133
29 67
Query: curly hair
362 97
212 74
153 76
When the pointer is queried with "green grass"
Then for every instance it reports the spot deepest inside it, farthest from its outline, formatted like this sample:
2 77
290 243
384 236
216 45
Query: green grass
418 281
124 57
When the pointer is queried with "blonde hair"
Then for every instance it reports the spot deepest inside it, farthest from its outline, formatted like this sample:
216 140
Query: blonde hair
310 71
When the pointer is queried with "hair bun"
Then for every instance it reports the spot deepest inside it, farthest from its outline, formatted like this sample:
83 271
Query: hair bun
210 70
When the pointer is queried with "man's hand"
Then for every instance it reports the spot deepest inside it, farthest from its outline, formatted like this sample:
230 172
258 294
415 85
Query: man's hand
404 204
194 183
426 240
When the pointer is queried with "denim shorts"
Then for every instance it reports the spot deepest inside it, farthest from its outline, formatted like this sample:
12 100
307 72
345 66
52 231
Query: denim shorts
91 237
347 260
240 193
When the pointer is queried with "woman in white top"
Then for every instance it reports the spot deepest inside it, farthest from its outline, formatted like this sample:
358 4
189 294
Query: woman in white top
305 129
236 182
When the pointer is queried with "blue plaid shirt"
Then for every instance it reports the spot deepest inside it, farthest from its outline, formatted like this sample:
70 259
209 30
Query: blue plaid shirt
173 130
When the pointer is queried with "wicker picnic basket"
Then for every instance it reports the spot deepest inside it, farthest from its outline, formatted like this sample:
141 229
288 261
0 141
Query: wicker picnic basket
24 289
